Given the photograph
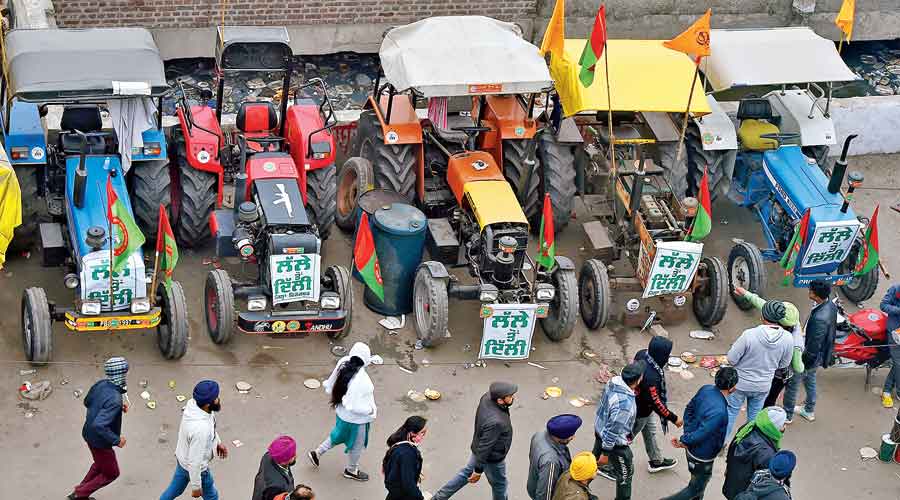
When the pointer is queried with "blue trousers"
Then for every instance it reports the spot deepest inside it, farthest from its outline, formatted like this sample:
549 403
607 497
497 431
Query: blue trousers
736 400
180 482
790 393
495 474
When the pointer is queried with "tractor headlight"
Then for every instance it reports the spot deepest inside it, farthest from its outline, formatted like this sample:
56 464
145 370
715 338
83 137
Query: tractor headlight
140 306
71 280
256 303
90 307
152 149
330 300
18 153
545 292
488 293
320 150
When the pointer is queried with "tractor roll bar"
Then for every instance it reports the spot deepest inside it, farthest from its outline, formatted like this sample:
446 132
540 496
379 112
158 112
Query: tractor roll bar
330 119
189 118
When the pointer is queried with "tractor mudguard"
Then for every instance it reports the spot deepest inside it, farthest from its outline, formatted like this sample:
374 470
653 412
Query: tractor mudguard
716 129
153 139
564 263
506 115
25 142
302 119
436 269
202 139
402 125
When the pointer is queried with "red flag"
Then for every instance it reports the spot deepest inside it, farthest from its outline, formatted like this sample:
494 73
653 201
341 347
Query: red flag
870 247
366 259
547 246
789 260
166 246
593 48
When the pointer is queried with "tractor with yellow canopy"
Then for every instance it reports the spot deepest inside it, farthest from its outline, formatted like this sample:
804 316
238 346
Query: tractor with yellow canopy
640 200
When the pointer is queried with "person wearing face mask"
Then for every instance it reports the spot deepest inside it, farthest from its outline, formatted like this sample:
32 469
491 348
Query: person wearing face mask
402 464
490 443
274 476
549 455
575 483
198 443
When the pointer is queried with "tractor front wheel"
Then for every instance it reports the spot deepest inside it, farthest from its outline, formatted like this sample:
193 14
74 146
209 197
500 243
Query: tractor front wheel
340 279
321 194
746 269
151 185
431 306
859 288
356 177
558 168
563 311
37 333
594 294
172 331
711 298
219 306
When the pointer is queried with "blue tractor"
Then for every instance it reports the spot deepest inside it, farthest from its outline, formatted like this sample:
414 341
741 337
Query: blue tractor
77 75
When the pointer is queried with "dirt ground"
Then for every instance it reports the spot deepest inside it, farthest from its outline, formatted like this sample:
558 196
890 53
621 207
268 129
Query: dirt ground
45 456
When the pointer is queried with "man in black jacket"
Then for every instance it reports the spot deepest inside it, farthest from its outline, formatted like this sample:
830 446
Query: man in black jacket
103 428
490 443
274 475
817 351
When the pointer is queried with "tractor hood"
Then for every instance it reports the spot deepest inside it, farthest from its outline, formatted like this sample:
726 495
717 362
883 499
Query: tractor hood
281 202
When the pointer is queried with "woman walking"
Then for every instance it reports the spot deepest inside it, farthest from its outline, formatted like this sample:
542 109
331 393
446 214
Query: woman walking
402 464
353 399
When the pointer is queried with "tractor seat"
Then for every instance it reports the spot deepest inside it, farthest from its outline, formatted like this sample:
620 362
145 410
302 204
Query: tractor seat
256 119
454 121
86 119
750 131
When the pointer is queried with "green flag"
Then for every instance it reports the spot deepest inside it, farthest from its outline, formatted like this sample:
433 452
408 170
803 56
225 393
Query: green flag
547 247
166 247
126 238
789 259
365 258
593 48
869 257
703 220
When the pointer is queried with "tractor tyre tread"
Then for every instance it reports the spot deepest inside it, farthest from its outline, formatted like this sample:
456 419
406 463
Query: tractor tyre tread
515 170
697 160
560 320
558 167
152 188
715 312
198 200
756 266
218 280
340 276
675 172
34 303
433 333
868 282
321 197
595 309
394 164
174 343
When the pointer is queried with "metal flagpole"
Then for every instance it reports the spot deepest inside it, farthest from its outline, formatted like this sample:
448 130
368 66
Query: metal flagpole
159 234
687 111
112 242
612 140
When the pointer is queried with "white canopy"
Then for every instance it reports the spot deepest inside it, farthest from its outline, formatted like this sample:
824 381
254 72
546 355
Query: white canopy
774 56
462 55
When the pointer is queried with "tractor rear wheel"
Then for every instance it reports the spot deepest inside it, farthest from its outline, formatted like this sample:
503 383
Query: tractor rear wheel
340 279
518 173
558 168
356 177
37 332
321 197
594 294
151 185
172 332
676 171
431 307
195 199
719 164
394 164
560 320
746 269
711 299
25 235
219 306
860 288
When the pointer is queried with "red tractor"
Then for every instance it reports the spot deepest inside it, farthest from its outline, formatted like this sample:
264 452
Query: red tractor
206 159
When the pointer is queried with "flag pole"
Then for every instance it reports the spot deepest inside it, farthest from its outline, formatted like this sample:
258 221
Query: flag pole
155 274
841 43
687 111
612 139
112 242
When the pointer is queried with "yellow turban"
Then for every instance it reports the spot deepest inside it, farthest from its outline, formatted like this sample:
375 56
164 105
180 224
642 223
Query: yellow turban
584 466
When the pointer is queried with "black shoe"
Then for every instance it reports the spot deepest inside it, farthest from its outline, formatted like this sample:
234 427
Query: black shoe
607 471
73 497
356 476
659 465
313 458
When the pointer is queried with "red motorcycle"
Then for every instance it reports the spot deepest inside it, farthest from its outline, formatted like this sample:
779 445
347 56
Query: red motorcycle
862 339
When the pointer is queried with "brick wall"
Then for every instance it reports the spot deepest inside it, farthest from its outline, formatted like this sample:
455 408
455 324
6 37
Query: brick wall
205 13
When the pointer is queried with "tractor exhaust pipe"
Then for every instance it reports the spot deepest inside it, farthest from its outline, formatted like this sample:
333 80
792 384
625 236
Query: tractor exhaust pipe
634 203
840 168
240 190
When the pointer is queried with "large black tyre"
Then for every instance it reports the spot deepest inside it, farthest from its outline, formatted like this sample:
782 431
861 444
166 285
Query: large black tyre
558 168
431 307
321 197
675 171
699 160
355 178
173 329
560 320
394 164
340 279
218 303
26 234
594 294
517 172
37 332
746 269
860 288
711 299
196 200
151 187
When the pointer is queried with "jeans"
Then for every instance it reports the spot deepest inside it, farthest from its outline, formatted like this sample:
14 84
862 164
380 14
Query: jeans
701 472
103 471
495 474
893 378
790 393
736 400
180 481
355 451
648 427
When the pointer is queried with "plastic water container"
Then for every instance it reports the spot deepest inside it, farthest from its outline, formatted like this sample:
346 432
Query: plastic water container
369 202
399 233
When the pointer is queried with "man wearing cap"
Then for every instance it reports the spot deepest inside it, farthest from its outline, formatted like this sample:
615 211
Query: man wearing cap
756 355
103 427
198 442
616 412
771 483
753 446
574 484
490 443
274 476
549 455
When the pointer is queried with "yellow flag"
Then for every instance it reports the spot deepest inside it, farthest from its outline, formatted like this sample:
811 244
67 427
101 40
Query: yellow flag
693 41
10 205
844 19
555 36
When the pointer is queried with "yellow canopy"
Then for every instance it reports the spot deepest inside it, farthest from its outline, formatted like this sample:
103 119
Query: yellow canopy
10 205
494 201
644 76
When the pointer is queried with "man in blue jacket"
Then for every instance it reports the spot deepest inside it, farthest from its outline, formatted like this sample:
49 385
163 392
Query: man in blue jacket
890 305
705 426
103 428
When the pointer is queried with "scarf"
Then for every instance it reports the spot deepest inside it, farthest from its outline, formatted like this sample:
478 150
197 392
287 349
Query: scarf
765 425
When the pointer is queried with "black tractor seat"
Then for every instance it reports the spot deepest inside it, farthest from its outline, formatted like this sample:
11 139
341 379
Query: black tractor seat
84 118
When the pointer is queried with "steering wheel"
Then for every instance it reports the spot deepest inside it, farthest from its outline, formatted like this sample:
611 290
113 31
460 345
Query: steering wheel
780 137
471 130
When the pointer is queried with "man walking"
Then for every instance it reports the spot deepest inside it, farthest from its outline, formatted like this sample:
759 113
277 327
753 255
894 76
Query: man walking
652 398
890 305
103 427
705 423
274 476
198 441
756 355
490 443
549 455
817 351
616 413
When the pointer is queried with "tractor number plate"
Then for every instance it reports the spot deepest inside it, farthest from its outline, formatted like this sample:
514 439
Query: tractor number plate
294 277
830 243
98 323
507 331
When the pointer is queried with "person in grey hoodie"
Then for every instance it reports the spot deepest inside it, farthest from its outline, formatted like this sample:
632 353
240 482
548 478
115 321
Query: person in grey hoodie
756 354
549 457
614 424
772 483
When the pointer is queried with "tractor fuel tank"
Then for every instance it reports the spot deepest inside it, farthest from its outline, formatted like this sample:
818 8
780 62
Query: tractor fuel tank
471 166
